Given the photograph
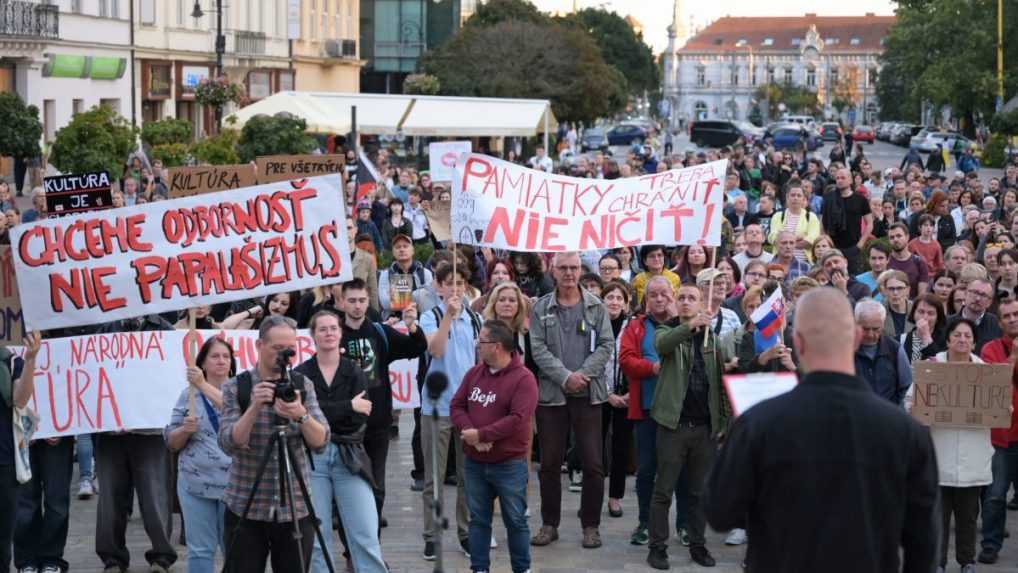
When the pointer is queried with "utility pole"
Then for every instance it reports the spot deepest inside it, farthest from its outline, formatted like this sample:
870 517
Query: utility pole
1000 55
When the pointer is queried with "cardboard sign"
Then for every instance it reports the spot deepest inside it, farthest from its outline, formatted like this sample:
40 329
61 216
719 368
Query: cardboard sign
748 390
187 181
78 193
274 168
438 220
442 156
12 322
104 382
181 253
962 394
506 206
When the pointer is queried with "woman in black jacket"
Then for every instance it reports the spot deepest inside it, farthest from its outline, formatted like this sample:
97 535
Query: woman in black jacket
926 338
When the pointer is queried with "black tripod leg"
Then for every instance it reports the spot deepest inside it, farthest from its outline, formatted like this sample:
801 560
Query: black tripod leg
311 510
287 470
264 463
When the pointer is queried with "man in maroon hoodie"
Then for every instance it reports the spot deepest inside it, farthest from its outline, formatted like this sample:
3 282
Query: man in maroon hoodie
1003 350
492 410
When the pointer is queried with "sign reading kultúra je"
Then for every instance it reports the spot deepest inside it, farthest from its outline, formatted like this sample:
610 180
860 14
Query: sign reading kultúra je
176 254
506 206
77 193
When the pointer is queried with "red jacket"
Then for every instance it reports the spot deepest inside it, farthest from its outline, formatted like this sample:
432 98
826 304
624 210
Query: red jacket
998 351
634 367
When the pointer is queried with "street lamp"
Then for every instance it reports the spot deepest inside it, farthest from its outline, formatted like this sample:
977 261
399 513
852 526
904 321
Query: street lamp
220 45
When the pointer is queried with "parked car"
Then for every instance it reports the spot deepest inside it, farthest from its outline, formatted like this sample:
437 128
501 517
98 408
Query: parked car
793 136
721 132
830 131
594 138
626 134
864 133
804 120
928 139
902 134
884 130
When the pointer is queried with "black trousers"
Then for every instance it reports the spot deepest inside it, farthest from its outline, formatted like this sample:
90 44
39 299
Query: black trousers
963 504
690 448
44 506
250 544
8 509
616 450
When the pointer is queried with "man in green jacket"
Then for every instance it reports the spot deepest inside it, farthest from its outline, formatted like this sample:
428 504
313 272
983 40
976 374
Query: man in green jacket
691 412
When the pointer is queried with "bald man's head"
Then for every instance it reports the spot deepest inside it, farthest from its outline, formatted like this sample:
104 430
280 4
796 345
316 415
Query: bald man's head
825 331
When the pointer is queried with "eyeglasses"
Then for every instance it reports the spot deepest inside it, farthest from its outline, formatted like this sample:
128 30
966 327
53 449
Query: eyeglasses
983 295
897 288
608 269
568 269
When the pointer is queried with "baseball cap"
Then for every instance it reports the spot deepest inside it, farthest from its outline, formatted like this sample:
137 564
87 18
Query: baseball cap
708 276
402 236
831 254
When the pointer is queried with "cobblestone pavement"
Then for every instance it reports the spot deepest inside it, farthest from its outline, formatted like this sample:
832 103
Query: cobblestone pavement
402 544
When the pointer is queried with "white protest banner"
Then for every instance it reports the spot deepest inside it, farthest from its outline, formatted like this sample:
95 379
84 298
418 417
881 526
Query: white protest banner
442 156
132 380
505 206
170 255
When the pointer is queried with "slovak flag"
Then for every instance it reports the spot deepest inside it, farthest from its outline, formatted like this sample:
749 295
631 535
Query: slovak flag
769 319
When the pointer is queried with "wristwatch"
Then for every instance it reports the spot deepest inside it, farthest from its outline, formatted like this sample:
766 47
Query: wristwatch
302 419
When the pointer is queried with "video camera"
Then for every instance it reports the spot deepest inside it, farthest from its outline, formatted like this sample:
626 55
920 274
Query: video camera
284 389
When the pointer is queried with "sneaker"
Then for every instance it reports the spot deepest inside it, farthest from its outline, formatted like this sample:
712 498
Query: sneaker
545 536
682 534
736 537
988 555
526 513
639 536
591 538
158 568
575 481
114 567
701 556
417 485
1013 504
429 550
450 480
658 558
465 546
85 489
970 568
28 569
494 544
51 569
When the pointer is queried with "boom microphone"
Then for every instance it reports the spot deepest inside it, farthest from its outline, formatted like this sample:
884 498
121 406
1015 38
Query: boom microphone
436 383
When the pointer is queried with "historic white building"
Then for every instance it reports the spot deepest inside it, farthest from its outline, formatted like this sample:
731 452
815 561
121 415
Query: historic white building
717 72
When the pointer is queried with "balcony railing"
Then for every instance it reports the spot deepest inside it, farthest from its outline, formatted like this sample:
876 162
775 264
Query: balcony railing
29 19
249 42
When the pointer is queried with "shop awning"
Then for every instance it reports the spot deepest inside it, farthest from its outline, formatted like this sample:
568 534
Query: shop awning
379 114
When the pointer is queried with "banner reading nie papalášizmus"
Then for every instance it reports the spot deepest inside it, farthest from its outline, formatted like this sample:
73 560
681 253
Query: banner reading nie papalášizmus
171 255
506 206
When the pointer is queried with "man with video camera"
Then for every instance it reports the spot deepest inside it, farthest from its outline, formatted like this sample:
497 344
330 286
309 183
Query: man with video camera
259 521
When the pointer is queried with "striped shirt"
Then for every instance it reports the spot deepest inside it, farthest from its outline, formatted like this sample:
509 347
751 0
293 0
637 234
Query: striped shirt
269 503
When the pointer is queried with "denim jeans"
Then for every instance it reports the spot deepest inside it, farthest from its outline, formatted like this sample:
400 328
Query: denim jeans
332 481
203 520
646 471
507 481
84 454
44 506
1005 467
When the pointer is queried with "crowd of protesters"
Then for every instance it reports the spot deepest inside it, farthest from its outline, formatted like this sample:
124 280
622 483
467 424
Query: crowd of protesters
595 366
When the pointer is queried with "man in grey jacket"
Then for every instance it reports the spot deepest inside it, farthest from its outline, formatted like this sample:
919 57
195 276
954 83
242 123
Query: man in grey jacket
571 339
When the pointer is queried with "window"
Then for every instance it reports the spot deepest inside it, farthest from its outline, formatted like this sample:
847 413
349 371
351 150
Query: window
788 75
111 103
834 76
148 12
77 106
325 23
752 75
284 80
49 119
768 42
770 75
854 41
741 42
76 6
734 76
811 77
104 8
796 41
701 76
114 8
871 75
181 12
831 41
259 84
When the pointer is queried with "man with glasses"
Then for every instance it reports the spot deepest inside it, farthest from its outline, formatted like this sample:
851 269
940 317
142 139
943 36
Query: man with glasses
571 340
978 298
880 360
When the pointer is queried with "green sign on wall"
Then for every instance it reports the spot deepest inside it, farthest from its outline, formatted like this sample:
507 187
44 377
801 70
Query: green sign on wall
107 68
94 67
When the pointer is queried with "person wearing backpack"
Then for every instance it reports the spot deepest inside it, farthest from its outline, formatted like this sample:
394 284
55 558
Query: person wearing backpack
403 264
452 332
373 346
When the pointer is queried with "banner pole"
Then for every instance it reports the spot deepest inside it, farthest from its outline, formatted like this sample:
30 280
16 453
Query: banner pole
192 352
710 291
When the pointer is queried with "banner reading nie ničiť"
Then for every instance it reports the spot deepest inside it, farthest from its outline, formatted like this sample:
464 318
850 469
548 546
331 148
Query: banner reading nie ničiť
503 205
171 255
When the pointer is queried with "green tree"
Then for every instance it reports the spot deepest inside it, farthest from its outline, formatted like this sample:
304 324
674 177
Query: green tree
518 59
273 135
797 99
20 129
943 53
421 84
497 11
620 47
893 91
219 149
94 140
166 131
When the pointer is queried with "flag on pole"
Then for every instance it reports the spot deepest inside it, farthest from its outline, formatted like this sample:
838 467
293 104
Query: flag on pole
367 178
769 319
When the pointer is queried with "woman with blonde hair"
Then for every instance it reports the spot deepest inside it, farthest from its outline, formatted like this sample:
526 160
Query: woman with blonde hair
821 245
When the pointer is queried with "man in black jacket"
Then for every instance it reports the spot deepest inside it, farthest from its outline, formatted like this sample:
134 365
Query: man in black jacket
373 346
828 477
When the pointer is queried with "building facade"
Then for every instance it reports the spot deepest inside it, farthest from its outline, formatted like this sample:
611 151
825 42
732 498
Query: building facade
718 72
325 57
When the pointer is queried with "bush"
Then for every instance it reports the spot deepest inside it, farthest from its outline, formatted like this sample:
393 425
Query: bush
273 135
421 84
219 149
993 152
95 140
165 132
20 129
171 154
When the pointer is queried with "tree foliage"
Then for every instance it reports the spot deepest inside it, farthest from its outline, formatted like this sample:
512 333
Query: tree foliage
943 53
421 84
620 47
218 149
20 128
495 12
166 131
520 59
273 135
797 99
1005 123
94 140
